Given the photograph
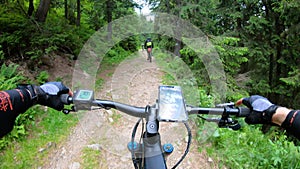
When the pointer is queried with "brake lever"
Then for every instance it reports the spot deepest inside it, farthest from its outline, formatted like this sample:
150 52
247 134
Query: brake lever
229 123
231 104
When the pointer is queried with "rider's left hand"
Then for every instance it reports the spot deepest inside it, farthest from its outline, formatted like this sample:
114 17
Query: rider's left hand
49 94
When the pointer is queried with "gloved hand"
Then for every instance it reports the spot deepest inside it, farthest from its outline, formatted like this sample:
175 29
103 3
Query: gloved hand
261 108
48 94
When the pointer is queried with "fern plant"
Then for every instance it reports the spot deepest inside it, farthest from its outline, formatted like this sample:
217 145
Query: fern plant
9 76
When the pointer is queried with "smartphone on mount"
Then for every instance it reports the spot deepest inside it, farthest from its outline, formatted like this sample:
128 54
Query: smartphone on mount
171 105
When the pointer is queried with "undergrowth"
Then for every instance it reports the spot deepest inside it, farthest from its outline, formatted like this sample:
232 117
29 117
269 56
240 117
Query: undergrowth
33 130
249 148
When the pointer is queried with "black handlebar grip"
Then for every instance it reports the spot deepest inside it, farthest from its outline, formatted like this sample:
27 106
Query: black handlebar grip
243 112
66 99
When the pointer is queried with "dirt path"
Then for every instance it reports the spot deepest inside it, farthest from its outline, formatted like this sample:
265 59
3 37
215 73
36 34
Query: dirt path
134 82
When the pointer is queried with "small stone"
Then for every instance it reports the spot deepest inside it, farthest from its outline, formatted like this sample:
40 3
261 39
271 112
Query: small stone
75 165
94 146
109 112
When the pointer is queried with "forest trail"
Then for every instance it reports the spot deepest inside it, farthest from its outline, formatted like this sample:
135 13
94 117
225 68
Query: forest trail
134 82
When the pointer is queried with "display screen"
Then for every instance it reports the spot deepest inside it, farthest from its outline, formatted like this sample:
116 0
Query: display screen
171 106
84 95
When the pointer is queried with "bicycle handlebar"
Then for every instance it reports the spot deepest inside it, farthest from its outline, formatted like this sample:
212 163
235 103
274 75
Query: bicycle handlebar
238 111
141 111
130 110
107 104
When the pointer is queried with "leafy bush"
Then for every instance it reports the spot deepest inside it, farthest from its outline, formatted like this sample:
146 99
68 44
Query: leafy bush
116 55
9 76
43 77
249 148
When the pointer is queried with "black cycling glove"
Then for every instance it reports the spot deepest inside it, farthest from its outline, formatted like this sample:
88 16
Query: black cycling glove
47 94
261 108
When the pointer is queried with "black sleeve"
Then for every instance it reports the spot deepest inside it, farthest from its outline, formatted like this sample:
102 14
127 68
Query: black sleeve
12 103
292 123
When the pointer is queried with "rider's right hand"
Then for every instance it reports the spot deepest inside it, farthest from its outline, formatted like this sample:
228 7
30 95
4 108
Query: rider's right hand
261 108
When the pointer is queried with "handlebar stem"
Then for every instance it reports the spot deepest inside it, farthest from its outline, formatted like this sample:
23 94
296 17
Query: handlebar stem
152 124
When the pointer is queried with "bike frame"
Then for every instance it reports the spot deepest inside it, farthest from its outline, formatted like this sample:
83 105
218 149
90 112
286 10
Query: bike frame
153 156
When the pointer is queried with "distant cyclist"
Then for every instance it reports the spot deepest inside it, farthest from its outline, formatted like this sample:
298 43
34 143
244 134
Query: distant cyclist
149 46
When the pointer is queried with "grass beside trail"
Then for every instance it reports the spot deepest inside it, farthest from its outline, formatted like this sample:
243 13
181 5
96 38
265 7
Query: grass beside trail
49 129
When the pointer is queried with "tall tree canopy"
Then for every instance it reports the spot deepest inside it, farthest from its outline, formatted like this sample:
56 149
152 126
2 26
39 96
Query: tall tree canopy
259 38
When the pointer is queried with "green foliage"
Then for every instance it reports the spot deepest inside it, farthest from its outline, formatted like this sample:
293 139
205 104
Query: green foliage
116 55
91 159
44 131
23 38
251 149
20 128
258 40
232 55
99 83
1 53
42 77
9 76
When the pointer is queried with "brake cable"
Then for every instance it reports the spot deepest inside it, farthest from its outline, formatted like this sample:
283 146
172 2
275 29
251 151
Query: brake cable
134 160
187 147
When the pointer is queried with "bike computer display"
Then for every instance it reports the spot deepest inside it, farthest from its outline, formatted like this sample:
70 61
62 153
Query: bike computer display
84 95
83 99
171 106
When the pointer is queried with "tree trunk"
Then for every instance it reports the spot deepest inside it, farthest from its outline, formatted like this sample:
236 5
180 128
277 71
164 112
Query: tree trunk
42 11
30 8
78 13
168 6
109 7
66 8
279 28
271 57
178 32
177 48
